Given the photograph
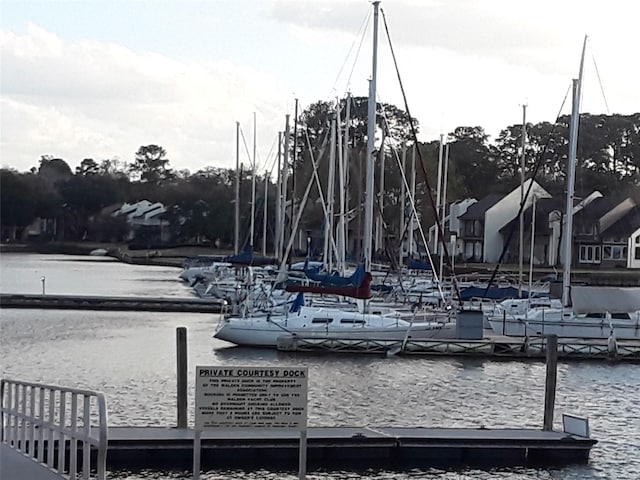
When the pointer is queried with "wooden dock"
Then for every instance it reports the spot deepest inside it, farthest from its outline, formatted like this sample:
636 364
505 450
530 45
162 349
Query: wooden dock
345 447
74 302
490 346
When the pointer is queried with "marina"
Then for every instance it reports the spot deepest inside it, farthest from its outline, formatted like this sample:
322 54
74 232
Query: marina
473 393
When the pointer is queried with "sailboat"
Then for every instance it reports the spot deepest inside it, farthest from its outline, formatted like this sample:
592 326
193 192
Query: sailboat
602 320
370 322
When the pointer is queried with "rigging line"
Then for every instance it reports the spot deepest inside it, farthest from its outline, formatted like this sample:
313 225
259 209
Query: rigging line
604 97
353 67
414 211
361 32
414 134
537 166
244 141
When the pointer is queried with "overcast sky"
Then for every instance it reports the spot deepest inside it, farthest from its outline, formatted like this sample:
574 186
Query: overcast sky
98 79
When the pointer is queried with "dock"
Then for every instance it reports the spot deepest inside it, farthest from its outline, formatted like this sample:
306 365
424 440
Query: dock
490 346
75 302
345 447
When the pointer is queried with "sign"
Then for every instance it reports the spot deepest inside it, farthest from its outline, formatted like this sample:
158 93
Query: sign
251 397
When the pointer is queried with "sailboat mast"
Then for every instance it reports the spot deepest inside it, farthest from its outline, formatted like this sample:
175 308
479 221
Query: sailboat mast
347 120
279 219
403 194
265 213
236 239
253 184
567 234
285 181
436 244
522 166
371 131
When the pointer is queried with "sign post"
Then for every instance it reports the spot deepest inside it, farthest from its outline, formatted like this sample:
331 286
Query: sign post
246 398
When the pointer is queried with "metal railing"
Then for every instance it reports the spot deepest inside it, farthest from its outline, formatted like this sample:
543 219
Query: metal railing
62 428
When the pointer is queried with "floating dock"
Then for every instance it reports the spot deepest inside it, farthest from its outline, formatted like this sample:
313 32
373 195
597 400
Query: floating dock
345 447
74 302
490 346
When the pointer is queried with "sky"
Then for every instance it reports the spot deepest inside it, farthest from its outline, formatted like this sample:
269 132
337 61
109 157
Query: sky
100 78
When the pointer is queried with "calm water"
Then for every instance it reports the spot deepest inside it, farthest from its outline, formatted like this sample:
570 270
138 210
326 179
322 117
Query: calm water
130 356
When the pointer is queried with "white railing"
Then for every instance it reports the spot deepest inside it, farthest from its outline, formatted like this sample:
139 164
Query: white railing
53 425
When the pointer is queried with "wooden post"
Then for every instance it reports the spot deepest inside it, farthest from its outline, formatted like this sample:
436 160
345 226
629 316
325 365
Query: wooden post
550 383
181 371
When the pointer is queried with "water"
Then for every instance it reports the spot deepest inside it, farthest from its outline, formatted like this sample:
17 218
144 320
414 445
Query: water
130 356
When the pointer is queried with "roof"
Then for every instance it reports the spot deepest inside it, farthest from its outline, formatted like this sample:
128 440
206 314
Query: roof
626 225
599 207
478 209
544 206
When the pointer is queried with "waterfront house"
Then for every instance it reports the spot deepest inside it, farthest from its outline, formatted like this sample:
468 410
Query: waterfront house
480 236
146 219
603 232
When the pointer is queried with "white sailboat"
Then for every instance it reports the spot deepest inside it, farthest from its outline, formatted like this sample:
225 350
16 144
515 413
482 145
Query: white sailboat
367 323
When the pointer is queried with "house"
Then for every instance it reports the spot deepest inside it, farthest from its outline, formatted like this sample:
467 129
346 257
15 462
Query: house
603 231
452 228
481 240
546 238
146 219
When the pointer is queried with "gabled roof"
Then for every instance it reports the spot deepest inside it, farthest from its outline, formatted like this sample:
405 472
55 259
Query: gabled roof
544 206
595 210
626 225
478 209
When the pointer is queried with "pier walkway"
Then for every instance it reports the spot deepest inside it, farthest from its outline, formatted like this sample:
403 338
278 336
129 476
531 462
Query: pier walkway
15 465
74 302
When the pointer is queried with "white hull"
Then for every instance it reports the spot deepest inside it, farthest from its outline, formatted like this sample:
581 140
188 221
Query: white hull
264 331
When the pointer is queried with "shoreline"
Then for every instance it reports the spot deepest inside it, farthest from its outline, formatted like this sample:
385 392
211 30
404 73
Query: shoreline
175 257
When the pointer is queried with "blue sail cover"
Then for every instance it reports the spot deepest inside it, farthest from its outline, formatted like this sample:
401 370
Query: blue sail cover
413 264
493 293
335 280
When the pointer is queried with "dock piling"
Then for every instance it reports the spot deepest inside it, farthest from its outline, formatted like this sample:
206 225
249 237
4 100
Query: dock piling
181 372
550 383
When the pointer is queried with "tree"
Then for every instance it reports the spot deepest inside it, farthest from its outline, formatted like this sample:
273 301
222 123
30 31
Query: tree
18 201
88 166
151 165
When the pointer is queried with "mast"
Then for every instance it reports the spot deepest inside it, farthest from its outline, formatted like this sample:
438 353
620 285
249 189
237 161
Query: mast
236 239
412 216
328 225
436 245
522 166
371 131
567 234
444 201
347 120
279 220
403 193
341 197
533 243
285 177
253 185
264 217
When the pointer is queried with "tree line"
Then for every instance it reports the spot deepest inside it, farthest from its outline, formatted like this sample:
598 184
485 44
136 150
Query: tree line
200 204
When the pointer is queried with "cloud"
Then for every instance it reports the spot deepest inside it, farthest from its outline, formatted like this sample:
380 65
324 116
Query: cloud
90 99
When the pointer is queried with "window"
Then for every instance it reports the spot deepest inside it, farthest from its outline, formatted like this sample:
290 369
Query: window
322 320
614 252
589 254
637 253
477 228
352 321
